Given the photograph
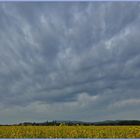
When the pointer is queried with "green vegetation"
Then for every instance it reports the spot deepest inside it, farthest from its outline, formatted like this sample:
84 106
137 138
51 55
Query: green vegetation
69 131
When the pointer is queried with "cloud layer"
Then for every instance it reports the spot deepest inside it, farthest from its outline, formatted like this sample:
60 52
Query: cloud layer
69 61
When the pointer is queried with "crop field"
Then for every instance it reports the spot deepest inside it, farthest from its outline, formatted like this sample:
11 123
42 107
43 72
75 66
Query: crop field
69 131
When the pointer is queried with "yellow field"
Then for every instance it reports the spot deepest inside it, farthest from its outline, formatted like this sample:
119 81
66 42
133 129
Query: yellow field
69 131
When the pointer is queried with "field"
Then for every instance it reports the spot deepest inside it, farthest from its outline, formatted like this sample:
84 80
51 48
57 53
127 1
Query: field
69 131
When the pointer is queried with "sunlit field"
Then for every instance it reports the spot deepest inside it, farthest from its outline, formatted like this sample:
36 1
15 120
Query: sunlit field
69 131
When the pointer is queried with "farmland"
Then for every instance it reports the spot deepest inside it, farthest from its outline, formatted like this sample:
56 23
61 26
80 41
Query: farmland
69 131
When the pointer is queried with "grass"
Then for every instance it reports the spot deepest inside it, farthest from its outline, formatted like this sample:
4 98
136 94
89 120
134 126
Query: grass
69 131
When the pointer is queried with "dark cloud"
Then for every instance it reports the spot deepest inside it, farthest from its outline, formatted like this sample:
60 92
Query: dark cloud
72 60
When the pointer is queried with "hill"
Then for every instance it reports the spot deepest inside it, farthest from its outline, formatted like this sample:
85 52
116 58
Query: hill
72 123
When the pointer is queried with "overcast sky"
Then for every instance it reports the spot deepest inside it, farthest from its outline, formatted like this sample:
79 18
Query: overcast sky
69 61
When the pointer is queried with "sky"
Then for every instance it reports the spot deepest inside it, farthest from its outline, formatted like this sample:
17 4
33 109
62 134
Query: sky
69 61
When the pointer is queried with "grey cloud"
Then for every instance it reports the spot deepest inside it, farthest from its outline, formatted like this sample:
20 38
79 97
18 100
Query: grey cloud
81 57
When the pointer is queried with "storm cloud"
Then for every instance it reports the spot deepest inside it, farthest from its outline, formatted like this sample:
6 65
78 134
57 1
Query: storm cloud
69 61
